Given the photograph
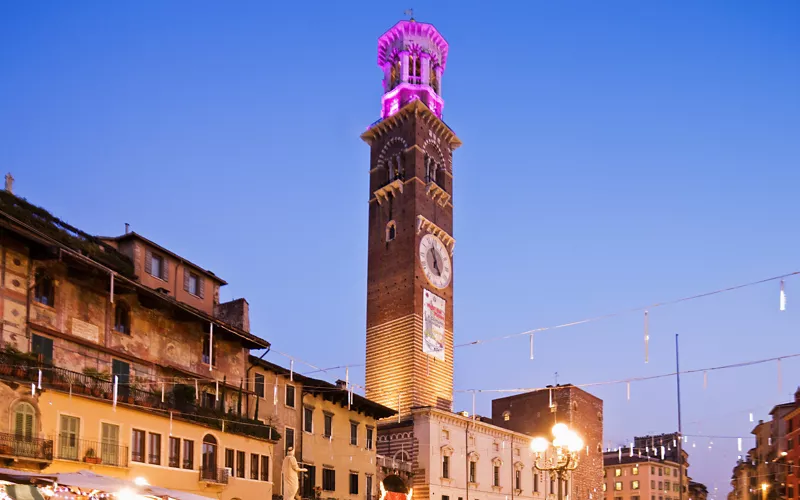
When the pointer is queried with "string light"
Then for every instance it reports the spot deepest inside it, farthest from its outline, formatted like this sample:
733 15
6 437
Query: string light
783 297
646 339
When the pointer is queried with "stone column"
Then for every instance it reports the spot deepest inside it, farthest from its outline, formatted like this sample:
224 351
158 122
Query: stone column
404 66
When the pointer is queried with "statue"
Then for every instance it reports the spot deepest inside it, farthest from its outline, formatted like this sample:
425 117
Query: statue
290 480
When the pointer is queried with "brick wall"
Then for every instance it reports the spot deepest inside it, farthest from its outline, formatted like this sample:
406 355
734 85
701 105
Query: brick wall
530 413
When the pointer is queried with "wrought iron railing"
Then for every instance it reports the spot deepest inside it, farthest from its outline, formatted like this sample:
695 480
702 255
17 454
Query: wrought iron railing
22 366
217 475
91 452
19 446
391 463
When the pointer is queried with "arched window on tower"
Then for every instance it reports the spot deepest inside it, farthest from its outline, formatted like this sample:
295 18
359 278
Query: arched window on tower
391 231
390 171
434 81
395 74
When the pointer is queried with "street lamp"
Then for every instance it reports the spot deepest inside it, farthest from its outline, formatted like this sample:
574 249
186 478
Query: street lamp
567 444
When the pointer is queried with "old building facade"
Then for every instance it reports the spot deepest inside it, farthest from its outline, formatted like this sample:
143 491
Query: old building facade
641 474
332 430
115 358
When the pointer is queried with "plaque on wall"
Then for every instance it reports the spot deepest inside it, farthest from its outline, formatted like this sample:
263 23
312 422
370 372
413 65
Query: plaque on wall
85 330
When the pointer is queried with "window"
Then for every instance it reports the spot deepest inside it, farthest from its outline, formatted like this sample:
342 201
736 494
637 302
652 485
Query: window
652 483
354 433
155 265
44 291
123 372
188 454
634 485
122 317
240 464
229 458
667 486
635 471
328 425
676 487
254 467
289 396
674 472
446 467
635 498
445 497
43 348
445 434
617 472
536 482
660 471
137 446
289 438
174 452
496 479
518 479
472 470
507 417
495 447
194 284
68 438
109 445
328 479
370 431
660 485
206 354
552 485
605 487
605 473
259 385
391 231
353 483
618 486
652 469
155 449
264 468
308 419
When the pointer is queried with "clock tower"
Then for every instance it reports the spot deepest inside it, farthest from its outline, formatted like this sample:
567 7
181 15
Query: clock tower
410 255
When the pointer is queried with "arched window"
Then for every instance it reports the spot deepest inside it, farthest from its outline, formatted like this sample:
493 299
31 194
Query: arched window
391 230
44 289
506 415
209 464
434 81
24 421
122 317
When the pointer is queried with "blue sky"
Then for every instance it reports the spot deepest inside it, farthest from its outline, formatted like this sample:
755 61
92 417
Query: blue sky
615 154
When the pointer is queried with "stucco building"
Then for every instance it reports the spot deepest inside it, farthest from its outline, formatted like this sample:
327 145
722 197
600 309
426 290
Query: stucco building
118 357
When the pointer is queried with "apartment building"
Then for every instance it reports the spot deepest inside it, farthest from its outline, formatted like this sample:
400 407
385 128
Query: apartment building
332 431
118 357
642 475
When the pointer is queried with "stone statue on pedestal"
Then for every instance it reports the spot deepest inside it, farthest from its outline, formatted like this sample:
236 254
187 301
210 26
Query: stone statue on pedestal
290 480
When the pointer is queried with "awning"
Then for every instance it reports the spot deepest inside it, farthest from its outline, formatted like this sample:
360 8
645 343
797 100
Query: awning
23 492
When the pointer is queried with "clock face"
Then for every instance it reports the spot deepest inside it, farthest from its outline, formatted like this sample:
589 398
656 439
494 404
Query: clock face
435 261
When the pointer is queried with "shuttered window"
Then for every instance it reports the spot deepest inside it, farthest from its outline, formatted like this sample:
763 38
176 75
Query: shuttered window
194 283
24 421
156 265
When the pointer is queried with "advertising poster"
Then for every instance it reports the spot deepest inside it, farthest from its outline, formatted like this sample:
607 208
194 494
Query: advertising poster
433 325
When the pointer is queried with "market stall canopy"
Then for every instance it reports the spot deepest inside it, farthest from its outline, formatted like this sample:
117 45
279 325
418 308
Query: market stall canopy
23 492
87 480
173 494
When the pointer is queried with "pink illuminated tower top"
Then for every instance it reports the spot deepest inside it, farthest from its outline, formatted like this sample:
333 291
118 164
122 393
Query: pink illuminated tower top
412 56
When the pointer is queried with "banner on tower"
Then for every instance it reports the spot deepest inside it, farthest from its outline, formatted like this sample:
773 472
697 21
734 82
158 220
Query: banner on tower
433 325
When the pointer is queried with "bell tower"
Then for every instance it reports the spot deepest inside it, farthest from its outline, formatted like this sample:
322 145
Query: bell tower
410 254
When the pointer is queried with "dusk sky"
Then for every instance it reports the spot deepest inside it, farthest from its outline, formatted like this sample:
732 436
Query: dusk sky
616 154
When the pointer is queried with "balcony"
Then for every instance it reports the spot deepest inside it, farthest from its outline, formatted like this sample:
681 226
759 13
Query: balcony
22 366
91 452
393 464
18 447
216 475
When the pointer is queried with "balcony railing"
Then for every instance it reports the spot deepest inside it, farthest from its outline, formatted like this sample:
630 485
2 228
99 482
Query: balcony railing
217 475
394 464
22 447
91 452
21 366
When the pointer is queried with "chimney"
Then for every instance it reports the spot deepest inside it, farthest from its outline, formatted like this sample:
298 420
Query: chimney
341 384
127 228
9 183
235 313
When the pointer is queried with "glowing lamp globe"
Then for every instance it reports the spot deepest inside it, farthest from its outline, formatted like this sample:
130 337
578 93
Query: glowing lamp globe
560 430
574 442
539 445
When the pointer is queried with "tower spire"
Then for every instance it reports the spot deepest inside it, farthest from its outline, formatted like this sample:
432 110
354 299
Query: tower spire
410 14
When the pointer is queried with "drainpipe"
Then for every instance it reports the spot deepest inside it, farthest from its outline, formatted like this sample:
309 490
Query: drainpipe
247 377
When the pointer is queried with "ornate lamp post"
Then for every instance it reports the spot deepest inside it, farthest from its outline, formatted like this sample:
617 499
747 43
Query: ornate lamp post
567 445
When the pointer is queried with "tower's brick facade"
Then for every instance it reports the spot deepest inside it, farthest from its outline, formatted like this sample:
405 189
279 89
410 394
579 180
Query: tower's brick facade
416 202
531 413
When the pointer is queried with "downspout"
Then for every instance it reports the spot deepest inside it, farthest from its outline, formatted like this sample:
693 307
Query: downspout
247 377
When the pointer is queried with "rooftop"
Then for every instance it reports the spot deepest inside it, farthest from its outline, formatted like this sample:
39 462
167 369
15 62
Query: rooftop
329 392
